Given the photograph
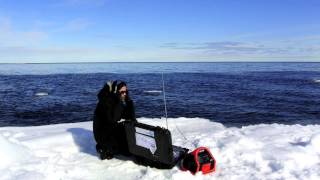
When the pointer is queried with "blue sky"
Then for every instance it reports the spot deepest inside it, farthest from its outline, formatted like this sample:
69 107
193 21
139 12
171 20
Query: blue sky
163 30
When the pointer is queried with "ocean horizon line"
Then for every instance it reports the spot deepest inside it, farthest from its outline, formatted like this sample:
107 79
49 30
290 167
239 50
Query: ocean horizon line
119 62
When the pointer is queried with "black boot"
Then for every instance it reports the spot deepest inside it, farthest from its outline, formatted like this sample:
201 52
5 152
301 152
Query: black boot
104 154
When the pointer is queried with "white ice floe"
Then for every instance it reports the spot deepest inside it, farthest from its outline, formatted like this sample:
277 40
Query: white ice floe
67 151
153 91
41 94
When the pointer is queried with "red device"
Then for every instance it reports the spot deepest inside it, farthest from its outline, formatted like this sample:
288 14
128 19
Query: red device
199 160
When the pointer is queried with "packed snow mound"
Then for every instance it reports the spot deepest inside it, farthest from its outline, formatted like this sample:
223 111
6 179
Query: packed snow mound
67 151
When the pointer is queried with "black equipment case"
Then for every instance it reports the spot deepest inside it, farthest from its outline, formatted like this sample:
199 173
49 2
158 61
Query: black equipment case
153 145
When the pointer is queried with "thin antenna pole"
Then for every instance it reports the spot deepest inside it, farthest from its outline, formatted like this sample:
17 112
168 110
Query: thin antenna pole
165 109
165 101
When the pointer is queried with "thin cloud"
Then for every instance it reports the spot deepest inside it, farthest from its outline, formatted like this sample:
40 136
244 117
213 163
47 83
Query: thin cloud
10 36
233 48
72 25
46 51
170 45
217 46
230 46
304 39
76 25
80 3
25 54
5 24
279 32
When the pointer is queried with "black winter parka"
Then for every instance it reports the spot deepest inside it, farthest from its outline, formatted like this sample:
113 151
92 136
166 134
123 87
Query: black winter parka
108 132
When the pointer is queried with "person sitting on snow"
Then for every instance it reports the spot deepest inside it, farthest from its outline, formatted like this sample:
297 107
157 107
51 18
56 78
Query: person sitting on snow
114 105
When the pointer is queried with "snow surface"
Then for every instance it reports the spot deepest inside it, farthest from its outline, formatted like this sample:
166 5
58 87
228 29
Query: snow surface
67 151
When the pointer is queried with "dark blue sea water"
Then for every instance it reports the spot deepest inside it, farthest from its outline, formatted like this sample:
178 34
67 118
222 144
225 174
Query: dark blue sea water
234 94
